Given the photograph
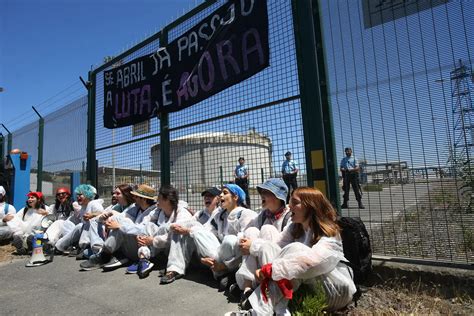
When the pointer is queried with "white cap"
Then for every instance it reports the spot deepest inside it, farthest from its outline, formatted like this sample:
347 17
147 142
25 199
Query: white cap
2 191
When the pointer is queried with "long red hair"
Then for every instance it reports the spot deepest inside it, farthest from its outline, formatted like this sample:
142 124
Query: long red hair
322 215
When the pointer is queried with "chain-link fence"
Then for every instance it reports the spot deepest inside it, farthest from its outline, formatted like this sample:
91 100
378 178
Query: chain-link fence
258 119
398 77
63 144
401 85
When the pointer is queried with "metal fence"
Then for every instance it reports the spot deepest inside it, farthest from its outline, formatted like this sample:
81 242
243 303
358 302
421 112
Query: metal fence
401 85
258 119
62 142
392 80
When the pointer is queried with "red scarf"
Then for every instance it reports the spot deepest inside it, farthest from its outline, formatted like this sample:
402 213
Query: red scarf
284 285
274 216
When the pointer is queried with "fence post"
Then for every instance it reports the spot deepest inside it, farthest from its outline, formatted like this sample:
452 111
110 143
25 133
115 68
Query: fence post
221 175
2 151
321 163
91 156
39 167
164 131
9 140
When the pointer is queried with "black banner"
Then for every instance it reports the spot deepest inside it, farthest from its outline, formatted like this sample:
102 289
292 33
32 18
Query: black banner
225 48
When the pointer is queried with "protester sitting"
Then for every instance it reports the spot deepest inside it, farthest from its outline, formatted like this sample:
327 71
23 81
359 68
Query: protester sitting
62 209
182 246
5 210
211 204
274 217
23 222
160 238
217 241
93 235
308 251
90 207
123 231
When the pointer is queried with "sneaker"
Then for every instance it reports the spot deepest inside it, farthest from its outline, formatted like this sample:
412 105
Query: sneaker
115 263
170 277
225 281
75 251
132 269
244 300
144 268
344 205
96 261
239 313
85 254
361 206
235 292
68 250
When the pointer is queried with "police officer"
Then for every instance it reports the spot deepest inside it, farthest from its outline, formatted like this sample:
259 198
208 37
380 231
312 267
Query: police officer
289 171
350 176
241 174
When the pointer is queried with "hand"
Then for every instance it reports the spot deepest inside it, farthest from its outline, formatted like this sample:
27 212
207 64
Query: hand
259 275
7 218
104 216
208 261
87 216
178 229
42 211
111 224
218 267
244 245
144 240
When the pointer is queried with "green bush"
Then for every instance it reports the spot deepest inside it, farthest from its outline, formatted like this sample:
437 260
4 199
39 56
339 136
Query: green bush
308 300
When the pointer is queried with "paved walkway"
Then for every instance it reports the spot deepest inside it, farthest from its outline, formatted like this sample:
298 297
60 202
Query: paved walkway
59 288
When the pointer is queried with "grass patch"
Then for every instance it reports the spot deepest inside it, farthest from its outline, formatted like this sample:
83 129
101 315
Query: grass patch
308 300
371 187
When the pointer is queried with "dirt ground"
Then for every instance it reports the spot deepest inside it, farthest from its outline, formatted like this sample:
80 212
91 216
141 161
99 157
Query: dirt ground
390 297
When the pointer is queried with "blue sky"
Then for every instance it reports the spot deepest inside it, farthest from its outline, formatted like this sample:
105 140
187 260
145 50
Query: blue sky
47 44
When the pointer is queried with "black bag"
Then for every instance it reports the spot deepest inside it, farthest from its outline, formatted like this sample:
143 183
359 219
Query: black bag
356 245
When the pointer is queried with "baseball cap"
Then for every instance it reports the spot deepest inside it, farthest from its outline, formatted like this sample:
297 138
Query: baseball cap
288 153
2 191
212 190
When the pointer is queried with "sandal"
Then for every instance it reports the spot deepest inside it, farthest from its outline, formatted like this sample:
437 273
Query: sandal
170 277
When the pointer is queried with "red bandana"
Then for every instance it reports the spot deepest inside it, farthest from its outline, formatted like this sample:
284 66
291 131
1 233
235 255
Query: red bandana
274 216
285 285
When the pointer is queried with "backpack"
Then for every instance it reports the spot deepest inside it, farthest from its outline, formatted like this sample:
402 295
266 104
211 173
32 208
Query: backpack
356 246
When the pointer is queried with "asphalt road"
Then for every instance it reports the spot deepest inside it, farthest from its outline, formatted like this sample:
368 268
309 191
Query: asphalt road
59 288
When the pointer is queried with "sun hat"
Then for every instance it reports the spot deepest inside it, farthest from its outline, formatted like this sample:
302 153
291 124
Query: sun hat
236 190
212 190
145 191
275 185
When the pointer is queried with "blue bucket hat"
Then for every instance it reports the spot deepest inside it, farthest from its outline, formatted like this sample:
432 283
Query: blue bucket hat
236 190
276 186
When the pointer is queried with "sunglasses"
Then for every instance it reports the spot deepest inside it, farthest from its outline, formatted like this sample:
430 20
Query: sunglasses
61 194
